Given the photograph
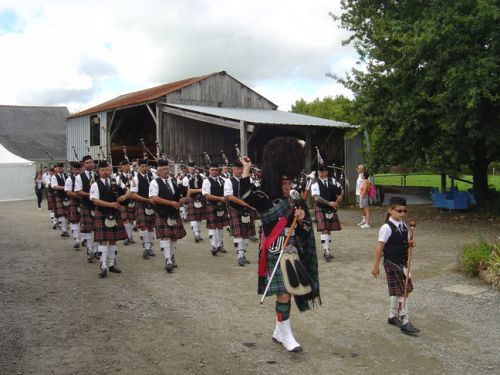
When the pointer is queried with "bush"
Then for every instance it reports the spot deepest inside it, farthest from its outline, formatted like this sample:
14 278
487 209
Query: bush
475 258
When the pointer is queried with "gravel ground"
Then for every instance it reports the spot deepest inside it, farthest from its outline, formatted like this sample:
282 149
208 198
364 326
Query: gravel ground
58 317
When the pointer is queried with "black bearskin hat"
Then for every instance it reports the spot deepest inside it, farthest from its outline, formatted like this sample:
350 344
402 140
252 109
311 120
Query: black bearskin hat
283 156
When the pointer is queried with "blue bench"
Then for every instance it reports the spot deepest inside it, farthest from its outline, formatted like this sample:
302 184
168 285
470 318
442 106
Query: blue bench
453 199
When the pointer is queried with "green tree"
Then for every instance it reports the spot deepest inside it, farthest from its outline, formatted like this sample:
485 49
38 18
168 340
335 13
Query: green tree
429 92
339 108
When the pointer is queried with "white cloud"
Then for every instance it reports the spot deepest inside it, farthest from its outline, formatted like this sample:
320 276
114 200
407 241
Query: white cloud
80 53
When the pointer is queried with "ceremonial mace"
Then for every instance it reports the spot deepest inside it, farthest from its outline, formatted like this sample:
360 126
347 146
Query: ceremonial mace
413 224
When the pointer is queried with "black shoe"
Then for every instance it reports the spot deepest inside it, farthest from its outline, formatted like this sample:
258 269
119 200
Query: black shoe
102 273
169 266
54 226
114 269
328 256
151 253
90 256
145 254
174 263
64 234
395 321
214 251
197 238
76 246
97 255
409 329
84 243
241 262
222 250
126 242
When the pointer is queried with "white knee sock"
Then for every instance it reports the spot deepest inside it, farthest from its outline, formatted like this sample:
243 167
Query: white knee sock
103 249
220 236
144 238
195 227
167 250
403 311
239 246
62 220
212 234
394 310
95 245
173 245
325 242
112 252
75 230
129 228
151 237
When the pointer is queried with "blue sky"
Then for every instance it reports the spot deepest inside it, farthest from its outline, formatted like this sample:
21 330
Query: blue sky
81 53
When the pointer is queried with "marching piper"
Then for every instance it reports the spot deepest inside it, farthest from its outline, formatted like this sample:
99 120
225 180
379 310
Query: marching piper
217 219
62 202
327 193
109 228
74 207
165 192
241 215
50 196
123 179
193 182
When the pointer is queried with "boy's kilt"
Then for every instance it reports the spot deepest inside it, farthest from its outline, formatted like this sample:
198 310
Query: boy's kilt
277 285
128 213
50 200
396 279
103 233
144 222
73 214
197 214
175 232
214 221
323 223
59 209
86 219
238 229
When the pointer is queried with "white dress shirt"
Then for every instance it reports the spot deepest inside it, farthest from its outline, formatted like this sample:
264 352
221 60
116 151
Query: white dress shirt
386 231
154 189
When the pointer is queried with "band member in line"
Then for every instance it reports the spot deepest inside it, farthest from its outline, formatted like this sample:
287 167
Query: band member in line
50 197
83 182
167 196
283 159
123 179
74 207
217 219
226 172
57 183
241 215
144 208
109 228
193 182
328 194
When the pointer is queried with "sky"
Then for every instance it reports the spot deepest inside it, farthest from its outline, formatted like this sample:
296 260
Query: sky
82 53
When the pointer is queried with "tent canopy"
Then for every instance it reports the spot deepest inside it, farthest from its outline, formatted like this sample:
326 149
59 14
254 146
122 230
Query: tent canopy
7 157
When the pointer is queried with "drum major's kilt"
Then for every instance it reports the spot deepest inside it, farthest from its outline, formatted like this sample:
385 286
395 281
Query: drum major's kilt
175 232
214 221
277 286
73 214
238 229
59 209
323 223
50 200
86 219
396 279
103 233
144 222
128 213
197 214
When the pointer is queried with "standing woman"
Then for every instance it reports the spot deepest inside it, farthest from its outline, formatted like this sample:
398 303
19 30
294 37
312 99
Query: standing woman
39 188
283 160
364 200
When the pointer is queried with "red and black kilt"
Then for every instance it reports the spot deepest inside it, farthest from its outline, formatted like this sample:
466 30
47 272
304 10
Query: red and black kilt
128 213
214 221
86 219
143 221
175 232
323 223
238 229
197 214
103 233
59 209
73 214
396 279
50 200
277 285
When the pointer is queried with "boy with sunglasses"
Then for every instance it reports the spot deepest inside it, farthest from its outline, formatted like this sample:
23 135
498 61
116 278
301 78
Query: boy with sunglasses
393 243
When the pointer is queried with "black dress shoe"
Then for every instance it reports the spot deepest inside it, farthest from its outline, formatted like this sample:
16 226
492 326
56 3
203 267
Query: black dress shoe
64 234
214 251
222 250
151 253
174 263
114 269
145 254
126 242
97 255
409 329
102 272
169 266
395 321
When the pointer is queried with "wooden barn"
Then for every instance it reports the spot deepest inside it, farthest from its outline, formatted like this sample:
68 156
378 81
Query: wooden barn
211 113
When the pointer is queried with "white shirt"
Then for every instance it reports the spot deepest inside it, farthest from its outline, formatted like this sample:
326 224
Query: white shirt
359 182
185 181
134 185
154 189
94 189
386 231
228 187
53 181
206 187
78 181
331 181
68 184
46 179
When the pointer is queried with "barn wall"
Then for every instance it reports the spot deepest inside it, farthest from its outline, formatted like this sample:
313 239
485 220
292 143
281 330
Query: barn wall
78 130
219 90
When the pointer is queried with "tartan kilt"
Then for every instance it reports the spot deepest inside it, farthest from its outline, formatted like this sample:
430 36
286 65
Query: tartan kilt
59 209
396 279
50 200
277 285
323 223
238 229
144 222
73 214
214 221
197 214
86 219
175 232
128 213
103 233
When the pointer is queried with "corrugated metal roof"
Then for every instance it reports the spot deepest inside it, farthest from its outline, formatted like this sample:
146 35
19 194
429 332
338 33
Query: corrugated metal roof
263 116
142 96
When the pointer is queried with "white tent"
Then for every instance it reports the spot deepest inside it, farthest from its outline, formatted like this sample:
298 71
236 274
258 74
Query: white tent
17 176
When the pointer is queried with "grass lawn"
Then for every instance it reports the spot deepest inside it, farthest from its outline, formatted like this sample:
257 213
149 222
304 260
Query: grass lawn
433 180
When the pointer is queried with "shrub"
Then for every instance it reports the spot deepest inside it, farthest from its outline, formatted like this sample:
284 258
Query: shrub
475 258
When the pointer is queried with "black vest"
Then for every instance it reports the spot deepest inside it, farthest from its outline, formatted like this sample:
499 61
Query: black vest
329 193
165 192
124 179
143 185
105 194
396 247
86 188
61 181
216 186
236 193
199 184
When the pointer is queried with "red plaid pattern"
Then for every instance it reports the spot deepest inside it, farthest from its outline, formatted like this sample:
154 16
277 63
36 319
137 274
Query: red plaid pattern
214 221
197 214
58 207
396 279
143 221
238 229
323 223
105 234
86 219
50 200
128 213
175 232
73 214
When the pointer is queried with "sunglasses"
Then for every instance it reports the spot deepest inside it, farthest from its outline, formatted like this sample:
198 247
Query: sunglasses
401 211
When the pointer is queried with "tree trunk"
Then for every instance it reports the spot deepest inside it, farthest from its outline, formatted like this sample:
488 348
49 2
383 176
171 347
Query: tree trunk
479 168
443 183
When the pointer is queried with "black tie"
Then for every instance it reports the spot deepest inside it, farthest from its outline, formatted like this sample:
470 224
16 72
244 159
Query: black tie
106 183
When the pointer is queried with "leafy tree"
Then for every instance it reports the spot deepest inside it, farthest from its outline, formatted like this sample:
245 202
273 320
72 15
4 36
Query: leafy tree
339 108
430 90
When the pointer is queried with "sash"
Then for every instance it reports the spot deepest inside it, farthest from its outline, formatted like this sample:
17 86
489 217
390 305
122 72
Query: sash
267 242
